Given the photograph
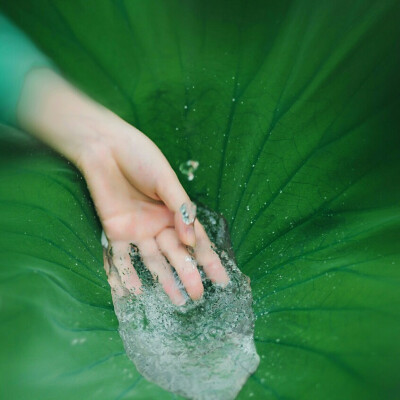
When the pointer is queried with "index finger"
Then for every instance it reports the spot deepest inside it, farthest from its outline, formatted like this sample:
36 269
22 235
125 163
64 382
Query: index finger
172 193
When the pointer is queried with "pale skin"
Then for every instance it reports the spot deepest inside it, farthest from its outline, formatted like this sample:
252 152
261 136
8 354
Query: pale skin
136 193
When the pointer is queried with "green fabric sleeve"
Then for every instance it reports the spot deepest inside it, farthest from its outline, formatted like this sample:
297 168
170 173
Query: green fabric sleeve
18 55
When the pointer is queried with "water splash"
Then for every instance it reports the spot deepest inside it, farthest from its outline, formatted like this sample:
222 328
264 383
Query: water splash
188 168
204 349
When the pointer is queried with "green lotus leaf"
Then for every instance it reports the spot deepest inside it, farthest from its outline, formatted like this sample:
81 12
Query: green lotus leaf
291 109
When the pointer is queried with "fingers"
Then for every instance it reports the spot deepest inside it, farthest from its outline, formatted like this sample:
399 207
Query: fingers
122 262
161 270
171 192
207 257
180 259
121 274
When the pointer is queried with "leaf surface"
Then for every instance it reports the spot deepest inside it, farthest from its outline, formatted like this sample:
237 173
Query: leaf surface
292 110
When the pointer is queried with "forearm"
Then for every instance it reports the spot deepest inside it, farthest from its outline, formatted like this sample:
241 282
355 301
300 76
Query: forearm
18 56
58 114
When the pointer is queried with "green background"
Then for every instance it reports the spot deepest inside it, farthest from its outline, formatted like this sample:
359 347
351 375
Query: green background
292 110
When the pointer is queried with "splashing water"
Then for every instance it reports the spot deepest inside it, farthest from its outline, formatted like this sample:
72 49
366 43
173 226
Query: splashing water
188 168
204 349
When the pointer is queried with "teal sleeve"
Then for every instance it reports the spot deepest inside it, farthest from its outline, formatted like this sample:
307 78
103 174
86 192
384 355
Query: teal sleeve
18 55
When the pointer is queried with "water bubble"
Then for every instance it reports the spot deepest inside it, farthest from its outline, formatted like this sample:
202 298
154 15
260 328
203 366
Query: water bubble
188 168
78 341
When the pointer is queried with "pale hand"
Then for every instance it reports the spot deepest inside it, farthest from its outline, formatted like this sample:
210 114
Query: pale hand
136 193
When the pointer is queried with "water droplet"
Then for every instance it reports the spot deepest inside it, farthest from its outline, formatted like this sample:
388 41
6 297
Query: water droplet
188 168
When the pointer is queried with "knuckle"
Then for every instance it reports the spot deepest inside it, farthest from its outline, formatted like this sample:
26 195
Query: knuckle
214 264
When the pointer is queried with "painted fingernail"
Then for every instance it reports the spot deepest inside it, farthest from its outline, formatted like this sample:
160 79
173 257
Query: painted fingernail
188 212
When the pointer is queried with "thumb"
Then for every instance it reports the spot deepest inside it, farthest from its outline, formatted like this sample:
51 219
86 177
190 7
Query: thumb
172 193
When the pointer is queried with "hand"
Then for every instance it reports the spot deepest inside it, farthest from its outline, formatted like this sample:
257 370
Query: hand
138 198
136 193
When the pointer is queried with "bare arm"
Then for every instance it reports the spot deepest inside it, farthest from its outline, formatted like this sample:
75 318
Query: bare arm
137 194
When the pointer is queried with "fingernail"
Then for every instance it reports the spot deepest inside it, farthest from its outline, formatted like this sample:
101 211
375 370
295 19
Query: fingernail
223 285
180 302
188 212
199 297
222 280
104 240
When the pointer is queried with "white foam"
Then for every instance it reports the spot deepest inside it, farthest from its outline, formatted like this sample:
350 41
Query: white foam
203 350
